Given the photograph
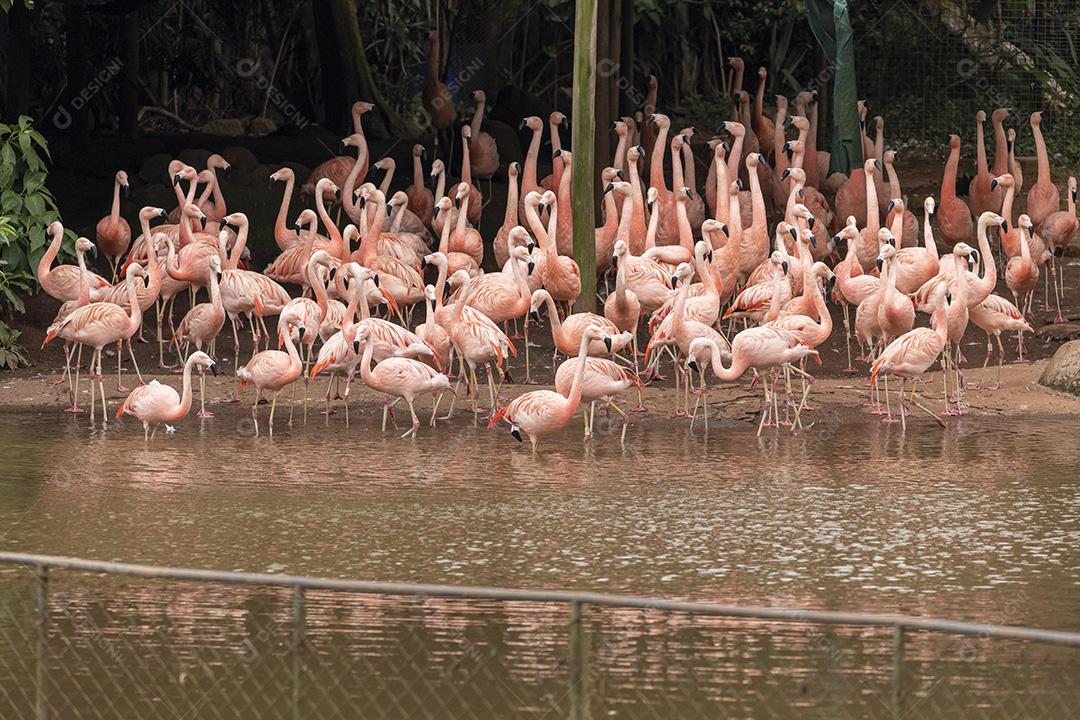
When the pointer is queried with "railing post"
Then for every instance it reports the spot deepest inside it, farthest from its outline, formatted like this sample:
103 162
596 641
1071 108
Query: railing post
577 686
41 593
898 671
299 625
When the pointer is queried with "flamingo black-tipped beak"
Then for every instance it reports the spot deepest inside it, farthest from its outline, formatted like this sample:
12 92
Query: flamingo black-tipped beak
836 239
813 240
607 342
530 246
540 208
739 183
330 274
784 266
975 255
531 266
1005 225
162 215
794 234
300 332
810 221
534 316
337 195
176 179
619 174
213 368
880 264
890 206
516 434
611 126
433 305
556 154
650 120
727 146
375 280
674 281
614 262
202 222
993 184
93 250
521 125
877 165
457 203
830 283
724 229
692 364
609 188
356 346
125 190
361 202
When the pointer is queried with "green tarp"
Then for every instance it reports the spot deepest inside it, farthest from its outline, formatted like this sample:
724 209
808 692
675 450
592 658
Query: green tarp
831 24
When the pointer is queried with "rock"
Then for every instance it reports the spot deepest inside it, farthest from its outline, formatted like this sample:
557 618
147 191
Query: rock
155 169
195 157
262 126
229 127
1063 370
240 158
1060 331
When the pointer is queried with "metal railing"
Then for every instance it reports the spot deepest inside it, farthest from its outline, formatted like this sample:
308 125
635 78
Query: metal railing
76 632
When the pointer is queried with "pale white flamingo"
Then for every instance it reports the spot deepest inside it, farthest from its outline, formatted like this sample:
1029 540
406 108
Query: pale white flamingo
155 403
542 412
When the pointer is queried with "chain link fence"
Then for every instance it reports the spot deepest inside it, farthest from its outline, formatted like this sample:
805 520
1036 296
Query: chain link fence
928 66
96 640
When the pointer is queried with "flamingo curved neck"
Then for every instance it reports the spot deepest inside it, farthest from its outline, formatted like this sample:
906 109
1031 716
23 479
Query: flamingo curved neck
280 231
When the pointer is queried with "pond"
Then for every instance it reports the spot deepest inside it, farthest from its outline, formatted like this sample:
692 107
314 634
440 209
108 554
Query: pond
978 522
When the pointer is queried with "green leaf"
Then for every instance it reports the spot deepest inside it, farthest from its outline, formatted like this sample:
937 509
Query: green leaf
35 204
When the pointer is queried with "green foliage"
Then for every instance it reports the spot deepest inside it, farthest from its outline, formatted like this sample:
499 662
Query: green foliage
12 353
26 205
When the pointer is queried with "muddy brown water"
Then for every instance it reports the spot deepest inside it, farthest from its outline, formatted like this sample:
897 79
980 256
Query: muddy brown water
977 522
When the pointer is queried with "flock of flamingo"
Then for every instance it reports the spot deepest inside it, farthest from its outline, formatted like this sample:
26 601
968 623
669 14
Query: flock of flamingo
716 290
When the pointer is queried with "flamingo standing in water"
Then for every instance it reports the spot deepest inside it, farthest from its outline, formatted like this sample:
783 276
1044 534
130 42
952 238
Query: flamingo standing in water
543 412
604 379
113 231
155 403
912 354
399 376
274 370
761 348
99 324
201 325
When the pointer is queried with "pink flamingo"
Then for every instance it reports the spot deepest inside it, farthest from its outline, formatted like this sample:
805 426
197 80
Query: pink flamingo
273 370
911 355
996 315
156 403
113 231
99 324
82 246
402 377
202 324
63 281
761 348
543 412
603 380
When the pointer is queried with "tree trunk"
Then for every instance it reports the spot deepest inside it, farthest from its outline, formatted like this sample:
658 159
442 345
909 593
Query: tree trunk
129 87
339 19
584 94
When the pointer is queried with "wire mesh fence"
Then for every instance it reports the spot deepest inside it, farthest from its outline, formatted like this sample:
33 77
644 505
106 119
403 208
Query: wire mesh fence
927 67
75 643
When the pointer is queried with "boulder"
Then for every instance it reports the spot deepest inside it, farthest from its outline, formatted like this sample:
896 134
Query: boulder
195 157
228 127
1063 370
1060 331
155 169
262 125
240 158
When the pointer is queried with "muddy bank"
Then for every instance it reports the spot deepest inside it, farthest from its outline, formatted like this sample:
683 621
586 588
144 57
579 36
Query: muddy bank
834 402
